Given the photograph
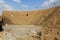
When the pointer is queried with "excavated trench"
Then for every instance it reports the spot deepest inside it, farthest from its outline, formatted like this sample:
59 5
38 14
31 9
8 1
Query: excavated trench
50 29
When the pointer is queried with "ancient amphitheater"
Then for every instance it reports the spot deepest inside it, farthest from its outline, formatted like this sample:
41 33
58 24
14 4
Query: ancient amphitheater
31 25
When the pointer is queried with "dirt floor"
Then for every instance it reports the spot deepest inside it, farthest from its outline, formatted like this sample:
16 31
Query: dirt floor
20 32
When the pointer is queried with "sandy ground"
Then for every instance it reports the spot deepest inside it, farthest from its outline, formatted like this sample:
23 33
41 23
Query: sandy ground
20 32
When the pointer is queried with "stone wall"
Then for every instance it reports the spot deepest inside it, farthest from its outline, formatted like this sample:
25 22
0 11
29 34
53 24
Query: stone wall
25 17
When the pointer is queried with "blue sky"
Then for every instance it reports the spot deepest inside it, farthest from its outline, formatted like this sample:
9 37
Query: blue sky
24 5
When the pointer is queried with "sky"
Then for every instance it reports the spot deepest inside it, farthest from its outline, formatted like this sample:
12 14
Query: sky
25 5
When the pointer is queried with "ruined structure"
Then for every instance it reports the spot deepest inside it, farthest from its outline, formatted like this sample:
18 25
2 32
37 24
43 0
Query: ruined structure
45 22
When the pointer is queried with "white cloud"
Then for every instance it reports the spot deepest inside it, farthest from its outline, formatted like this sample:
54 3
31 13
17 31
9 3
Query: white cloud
4 6
47 3
22 7
53 0
50 3
18 1
7 7
25 6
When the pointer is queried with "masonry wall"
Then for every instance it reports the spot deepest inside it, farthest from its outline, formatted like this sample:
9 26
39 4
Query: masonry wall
25 17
